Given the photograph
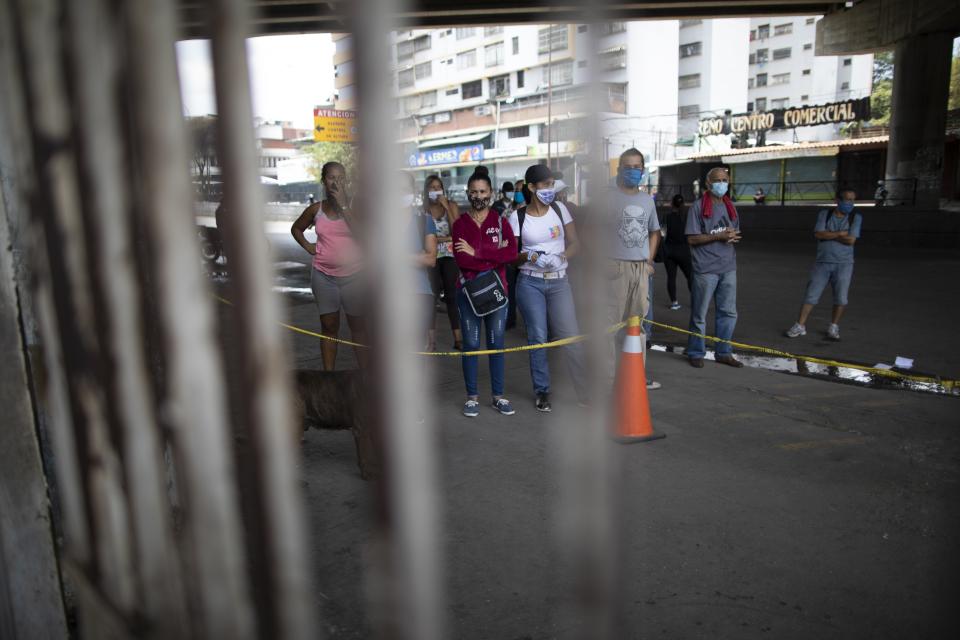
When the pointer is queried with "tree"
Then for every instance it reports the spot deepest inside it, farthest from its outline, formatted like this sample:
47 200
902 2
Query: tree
954 102
203 137
882 66
880 101
881 94
322 152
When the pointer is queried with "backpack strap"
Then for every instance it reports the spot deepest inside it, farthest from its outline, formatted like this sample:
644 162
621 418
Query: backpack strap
521 215
422 228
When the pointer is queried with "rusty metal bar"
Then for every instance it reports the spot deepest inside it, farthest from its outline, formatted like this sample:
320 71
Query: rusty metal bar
286 594
31 605
196 401
587 463
55 205
17 179
416 607
95 65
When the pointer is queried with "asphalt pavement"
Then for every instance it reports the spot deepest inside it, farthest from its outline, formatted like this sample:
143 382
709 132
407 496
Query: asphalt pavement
778 506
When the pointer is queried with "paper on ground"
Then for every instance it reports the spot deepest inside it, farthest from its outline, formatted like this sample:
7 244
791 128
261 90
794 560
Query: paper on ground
903 363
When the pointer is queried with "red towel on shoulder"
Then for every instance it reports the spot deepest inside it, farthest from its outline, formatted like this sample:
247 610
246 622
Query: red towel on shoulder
708 206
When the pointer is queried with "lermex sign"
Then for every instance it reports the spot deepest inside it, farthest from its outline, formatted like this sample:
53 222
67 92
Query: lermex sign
833 113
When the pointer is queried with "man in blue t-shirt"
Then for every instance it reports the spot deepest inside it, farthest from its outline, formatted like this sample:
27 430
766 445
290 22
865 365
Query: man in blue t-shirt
836 232
713 228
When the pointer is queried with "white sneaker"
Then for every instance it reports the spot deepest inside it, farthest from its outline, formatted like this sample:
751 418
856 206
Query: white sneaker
653 384
833 332
796 330
674 306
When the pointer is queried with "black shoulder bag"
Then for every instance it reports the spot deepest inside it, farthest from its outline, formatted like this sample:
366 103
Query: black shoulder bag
485 292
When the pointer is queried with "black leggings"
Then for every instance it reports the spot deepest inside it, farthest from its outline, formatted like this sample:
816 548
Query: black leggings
444 278
677 258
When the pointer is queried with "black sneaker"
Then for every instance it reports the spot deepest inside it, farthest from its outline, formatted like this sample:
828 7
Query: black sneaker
543 403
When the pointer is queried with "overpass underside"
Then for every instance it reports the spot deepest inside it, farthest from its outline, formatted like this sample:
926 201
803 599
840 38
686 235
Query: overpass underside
273 17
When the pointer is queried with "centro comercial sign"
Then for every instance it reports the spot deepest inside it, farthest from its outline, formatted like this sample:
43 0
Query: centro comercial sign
833 113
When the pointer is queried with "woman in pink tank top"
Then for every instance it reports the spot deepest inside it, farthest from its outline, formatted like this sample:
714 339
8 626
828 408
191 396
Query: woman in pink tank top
335 276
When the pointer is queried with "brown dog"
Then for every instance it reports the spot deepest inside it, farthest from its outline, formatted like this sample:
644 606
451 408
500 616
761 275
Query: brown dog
339 400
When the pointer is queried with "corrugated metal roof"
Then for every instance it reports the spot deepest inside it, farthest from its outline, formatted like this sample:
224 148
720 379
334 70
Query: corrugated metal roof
787 149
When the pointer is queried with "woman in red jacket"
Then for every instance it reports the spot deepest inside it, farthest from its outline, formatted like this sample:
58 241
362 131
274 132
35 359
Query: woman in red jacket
481 242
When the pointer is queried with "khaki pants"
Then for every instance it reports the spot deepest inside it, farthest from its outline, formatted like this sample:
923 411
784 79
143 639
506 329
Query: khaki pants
629 282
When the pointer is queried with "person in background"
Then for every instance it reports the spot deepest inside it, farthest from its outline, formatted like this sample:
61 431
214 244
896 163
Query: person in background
482 242
445 275
676 250
504 204
633 233
880 195
759 198
836 232
337 262
547 238
518 201
713 228
563 194
423 255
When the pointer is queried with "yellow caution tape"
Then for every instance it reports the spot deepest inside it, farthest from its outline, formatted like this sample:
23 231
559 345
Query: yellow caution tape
529 347
456 354
305 332
949 385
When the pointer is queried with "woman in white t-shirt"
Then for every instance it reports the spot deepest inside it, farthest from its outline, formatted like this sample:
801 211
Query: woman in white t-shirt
547 238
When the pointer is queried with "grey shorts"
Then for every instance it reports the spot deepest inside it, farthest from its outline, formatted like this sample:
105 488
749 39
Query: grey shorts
332 293
836 274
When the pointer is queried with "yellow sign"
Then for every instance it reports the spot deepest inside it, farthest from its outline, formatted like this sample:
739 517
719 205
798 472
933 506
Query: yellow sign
331 125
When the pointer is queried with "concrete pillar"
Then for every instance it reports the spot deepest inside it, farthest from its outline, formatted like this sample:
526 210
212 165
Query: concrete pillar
921 80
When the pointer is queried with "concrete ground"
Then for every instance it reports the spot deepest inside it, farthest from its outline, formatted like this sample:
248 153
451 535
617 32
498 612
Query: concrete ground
777 507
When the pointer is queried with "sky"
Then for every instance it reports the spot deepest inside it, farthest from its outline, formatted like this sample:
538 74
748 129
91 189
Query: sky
289 75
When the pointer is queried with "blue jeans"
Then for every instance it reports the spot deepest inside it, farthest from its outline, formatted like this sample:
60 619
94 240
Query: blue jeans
722 289
547 309
470 326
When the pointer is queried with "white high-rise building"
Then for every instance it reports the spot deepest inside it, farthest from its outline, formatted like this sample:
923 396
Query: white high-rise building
631 58
490 95
785 73
712 75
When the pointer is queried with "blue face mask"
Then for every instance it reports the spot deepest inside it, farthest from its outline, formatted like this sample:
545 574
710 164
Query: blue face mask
546 196
719 189
845 206
518 197
631 177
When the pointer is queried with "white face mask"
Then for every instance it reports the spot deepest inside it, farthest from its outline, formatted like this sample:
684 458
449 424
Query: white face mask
434 195
546 196
508 195
407 199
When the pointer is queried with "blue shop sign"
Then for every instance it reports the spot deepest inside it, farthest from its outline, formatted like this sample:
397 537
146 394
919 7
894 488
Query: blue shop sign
449 155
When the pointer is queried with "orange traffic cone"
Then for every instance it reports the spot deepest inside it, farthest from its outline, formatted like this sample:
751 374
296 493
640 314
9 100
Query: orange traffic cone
632 410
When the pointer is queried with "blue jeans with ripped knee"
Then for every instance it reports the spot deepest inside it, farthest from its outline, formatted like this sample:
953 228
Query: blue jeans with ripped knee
495 324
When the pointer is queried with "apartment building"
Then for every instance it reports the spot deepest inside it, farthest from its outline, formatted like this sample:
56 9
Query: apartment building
713 71
633 65
783 72
506 96
491 94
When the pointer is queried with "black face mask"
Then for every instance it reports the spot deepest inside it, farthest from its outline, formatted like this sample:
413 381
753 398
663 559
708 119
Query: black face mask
479 204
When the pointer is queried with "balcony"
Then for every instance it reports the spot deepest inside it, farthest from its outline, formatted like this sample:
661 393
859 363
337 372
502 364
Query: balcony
525 109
